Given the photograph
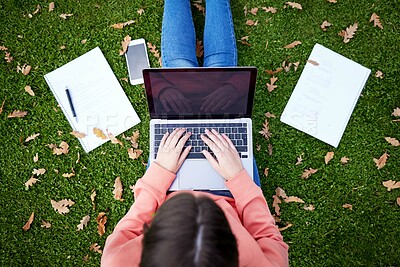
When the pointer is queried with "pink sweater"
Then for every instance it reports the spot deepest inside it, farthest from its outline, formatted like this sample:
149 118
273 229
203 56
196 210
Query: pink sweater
259 241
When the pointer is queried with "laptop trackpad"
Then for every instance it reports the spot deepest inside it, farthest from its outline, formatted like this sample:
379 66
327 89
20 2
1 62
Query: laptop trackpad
198 175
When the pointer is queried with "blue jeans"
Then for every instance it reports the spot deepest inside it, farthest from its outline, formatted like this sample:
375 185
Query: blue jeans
178 39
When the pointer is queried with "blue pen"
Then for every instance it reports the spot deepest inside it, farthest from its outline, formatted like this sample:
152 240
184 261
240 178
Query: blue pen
70 103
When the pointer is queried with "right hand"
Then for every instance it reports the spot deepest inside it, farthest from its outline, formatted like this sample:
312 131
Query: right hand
228 162
172 98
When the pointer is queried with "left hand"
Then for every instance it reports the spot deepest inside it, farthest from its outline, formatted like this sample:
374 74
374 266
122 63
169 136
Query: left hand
220 99
170 155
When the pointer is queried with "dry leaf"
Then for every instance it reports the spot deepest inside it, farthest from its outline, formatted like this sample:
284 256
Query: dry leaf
122 24
78 158
31 137
36 158
344 160
270 149
8 58
308 173
17 114
324 25
118 189
51 6
349 32
258 147
45 224
284 228
154 51
375 18
96 248
251 22
271 86
83 223
99 133
396 112
113 139
348 206
140 11
398 201
293 44
134 153
275 204
273 72
25 69
280 193
381 162
296 65
200 8
92 198
68 175
254 11
63 149
84 41
265 131
31 182
29 222
199 48
62 47
65 16
125 44
329 156
309 207
85 258
294 5
132 188
29 90
390 184
392 141
78 134
269 115
313 62
266 172
332 1
38 172
270 9
62 206
101 221
293 199
379 74
2 106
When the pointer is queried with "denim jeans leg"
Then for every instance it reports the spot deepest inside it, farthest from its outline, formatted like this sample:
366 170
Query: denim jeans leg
178 38
219 36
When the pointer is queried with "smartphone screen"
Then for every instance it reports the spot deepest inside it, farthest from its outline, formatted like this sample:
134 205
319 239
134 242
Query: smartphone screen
137 60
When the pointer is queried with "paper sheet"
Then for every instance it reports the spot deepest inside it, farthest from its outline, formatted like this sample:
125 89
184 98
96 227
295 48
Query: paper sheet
98 98
325 95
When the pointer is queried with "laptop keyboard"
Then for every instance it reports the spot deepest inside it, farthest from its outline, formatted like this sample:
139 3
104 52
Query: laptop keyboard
237 132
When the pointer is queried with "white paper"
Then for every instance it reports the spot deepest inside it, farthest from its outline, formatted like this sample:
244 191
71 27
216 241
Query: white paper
98 98
325 95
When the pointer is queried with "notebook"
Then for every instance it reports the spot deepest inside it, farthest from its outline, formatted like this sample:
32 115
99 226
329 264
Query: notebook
325 95
95 101
196 99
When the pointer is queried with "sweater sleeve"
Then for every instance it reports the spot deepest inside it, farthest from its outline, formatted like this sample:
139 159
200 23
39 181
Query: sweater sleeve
256 217
123 247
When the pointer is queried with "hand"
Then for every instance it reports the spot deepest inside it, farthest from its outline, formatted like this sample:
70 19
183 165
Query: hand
170 155
228 162
220 99
172 98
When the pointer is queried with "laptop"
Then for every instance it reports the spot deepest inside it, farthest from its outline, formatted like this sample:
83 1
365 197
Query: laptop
198 99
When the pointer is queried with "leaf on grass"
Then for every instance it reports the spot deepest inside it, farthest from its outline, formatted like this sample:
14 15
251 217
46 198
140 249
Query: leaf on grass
62 206
29 90
29 222
332 1
376 20
296 65
96 248
244 40
254 11
78 134
269 115
25 69
392 141
8 58
251 22
349 32
199 48
280 193
92 198
83 223
3 48
293 199
273 72
379 74
270 149
83 41
200 8
17 114
309 207
381 162
51 6
36 158
293 44
275 204
270 9
113 139
38 8
65 16
396 112
347 206
265 130
31 137
62 149
307 173
101 221
140 11
390 184
266 172
344 160
2 106
325 25
38 172
313 62
31 182
271 86
118 189
125 44
329 156
398 201
68 175
284 228
134 153
122 24
78 158
85 258
99 133
45 224
294 5
153 49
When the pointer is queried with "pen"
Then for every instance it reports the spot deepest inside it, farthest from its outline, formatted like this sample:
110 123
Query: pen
70 103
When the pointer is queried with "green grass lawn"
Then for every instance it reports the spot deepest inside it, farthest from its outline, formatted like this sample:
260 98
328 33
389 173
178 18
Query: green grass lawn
367 235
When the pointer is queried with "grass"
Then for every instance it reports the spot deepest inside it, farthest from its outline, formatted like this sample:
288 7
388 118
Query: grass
330 235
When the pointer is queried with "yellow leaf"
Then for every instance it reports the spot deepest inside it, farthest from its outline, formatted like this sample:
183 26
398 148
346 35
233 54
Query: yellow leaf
113 139
309 207
349 32
266 172
68 175
2 106
396 112
379 74
324 25
99 133
29 222
96 248
265 131
270 9
36 158
140 11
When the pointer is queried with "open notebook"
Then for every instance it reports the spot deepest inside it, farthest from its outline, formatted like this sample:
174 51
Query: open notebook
325 95
97 97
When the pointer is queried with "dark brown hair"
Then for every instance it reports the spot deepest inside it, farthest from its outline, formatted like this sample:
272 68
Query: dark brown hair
189 231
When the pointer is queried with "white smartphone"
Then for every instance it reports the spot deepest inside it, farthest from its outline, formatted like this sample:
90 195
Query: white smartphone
137 60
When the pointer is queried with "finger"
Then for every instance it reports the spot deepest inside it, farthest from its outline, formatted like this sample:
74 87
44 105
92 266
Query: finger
219 136
171 135
213 136
183 141
164 138
184 155
229 141
176 137
211 159
165 105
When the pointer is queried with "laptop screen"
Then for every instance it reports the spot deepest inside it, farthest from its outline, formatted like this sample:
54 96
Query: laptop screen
200 93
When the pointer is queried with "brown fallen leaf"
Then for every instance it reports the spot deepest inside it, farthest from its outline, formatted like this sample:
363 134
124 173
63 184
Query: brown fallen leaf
140 11
251 22
348 206
3 48
45 224
78 157
309 207
270 9
275 204
299 159
125 44
379 74
284 228
92 198
390 184
273 72
271 86
349 32
258 147
381 162
62 206
17 114
38 172
199 48
398 201
325 24
396 112
293 44
101 221
280 193
134 153
122 24
265 130
7 57
332 1
269 115
83 223
266 172
62 149
392 141
296 65
99 133
293 199
83 41
344 160
78 134
31 137
2 106
68 175
113 139
270 149
96 248
36 158
376 20
51 6
29 90
65 16
118 189
153 49
38 8
254 11
307 173
29 222
329 157
294 5
313 62
31 182
200 8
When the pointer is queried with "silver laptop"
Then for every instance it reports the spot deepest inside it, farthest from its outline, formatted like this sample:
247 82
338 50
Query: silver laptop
199 99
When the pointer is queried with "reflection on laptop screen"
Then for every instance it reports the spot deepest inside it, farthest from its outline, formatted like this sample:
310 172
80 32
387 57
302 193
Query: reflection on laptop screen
197 93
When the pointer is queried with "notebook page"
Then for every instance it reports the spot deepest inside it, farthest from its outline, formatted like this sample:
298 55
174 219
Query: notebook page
325 95
98 98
